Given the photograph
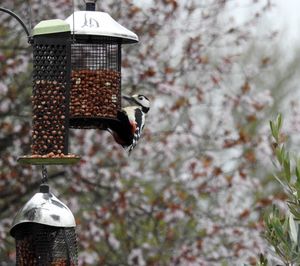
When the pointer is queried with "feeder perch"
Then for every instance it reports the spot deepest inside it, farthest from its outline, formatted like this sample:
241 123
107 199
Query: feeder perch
95 95
44 231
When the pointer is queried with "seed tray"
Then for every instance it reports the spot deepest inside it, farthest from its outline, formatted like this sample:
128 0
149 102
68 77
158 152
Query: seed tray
47 160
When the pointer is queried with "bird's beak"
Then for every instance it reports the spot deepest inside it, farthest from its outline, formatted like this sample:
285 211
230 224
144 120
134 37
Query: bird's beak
127 98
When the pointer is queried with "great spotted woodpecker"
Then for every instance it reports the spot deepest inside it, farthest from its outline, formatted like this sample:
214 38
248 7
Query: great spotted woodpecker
131 121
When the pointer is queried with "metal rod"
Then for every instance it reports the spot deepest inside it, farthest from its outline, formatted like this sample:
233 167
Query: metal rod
44 174
73 35
17 18
30 15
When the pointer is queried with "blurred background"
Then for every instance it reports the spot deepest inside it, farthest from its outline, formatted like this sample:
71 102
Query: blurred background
195 188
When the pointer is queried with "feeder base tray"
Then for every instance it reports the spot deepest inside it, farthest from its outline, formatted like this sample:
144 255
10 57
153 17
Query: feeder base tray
45 160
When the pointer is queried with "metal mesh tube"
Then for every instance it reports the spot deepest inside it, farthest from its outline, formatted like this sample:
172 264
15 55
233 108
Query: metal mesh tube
95 83
50 100
42 245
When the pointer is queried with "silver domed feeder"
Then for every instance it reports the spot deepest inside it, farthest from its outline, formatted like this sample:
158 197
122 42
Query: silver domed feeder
44 230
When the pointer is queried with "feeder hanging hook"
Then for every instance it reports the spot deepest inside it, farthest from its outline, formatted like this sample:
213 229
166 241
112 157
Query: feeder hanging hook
14 15
90 5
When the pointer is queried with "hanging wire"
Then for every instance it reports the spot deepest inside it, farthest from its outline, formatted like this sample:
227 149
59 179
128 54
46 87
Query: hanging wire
73 21
44 174
30 15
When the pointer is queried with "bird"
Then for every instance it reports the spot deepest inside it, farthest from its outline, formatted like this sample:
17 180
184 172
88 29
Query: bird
130 121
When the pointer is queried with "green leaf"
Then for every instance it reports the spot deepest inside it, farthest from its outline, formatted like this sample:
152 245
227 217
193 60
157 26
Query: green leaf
272 127
294 210
279 121
278 153
297 173
275 127
298 236
274 130
285 225
293 229
287 168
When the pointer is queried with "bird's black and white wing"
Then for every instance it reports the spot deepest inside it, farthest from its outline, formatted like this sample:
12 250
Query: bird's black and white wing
138 122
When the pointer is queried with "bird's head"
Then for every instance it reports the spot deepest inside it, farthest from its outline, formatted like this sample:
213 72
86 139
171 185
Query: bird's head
140 100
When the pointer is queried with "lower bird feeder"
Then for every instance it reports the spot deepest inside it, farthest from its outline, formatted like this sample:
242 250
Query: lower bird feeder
44 231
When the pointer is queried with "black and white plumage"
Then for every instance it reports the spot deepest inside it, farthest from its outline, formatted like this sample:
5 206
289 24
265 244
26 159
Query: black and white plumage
131 121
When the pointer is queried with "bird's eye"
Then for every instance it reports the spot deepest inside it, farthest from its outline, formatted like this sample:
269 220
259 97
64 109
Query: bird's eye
141 97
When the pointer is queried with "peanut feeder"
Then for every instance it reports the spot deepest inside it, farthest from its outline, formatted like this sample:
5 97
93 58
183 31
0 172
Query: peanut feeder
51 45
95 93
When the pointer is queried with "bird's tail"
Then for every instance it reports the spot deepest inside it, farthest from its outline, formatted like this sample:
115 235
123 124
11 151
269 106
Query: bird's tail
129 150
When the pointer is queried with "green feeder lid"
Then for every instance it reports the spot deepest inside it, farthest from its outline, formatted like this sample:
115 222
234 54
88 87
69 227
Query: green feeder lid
50 26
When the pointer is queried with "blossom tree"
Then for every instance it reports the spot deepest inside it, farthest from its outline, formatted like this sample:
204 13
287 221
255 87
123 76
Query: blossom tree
191 192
